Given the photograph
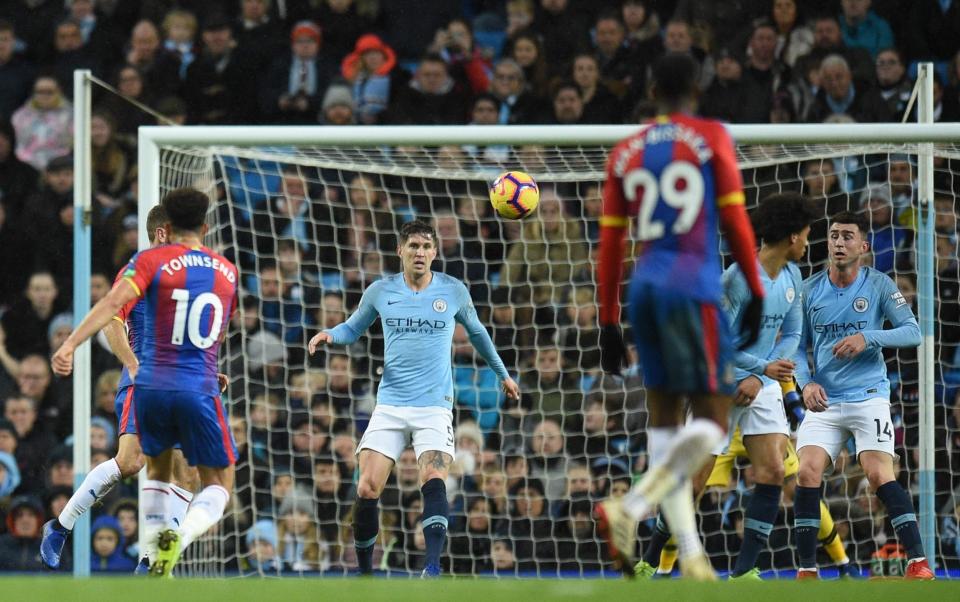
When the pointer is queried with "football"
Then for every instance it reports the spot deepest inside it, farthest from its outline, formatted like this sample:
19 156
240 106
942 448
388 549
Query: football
514 195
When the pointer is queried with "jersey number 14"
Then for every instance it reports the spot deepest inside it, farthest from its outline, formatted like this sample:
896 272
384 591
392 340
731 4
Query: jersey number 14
680 186
187 318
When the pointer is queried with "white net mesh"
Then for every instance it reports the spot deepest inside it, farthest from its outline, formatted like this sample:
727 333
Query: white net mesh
311 227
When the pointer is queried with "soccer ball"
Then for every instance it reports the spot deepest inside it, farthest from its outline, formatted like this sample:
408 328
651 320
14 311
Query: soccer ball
514 195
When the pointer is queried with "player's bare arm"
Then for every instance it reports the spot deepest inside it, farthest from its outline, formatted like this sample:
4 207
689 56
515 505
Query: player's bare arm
122 293
117 339
321 338
511 388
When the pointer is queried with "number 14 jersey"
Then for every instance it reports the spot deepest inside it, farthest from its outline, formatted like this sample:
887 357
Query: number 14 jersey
675 175
189 295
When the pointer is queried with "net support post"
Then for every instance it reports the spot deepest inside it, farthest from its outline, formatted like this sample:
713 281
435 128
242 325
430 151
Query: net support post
82 197
926 275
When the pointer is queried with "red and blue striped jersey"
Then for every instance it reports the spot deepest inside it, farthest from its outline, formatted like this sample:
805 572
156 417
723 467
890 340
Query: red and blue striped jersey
189 295
131 315
678 176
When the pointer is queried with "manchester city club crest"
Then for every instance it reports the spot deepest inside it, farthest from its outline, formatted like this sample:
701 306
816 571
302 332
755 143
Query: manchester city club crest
439 305
791 295
860 304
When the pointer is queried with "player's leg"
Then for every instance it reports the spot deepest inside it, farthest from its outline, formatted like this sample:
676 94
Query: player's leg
185 483
766 454
99 481
433 442
873 431
375 468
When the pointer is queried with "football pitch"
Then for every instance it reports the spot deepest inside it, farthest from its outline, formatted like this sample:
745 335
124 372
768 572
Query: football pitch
105 589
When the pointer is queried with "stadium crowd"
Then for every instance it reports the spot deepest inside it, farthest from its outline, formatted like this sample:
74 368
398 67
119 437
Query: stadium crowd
526 475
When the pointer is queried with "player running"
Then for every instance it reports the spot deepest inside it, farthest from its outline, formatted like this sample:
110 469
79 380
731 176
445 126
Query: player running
844 308
418 309
190 293
124 336
678 175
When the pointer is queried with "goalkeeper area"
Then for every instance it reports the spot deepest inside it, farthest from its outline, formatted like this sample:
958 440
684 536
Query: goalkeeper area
469 590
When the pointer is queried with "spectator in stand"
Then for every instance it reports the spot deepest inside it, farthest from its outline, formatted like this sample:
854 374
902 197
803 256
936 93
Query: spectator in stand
889 242
678 37
531 529
112 160
621 67
33 382
18 180
16 73
548 461
863 28
551 390
338 107
44 124
827 40
159 68
27 321
526 49
371 70
839 94
564 33
726 97
330 508
180 38
520 15
895 86
600 105
470 548
343 23
821 185
259 37
476 388
299 544
34 442
794 36
432 98
69 53
517 106
763 75
933 30
579 338
20 546
409 26
948 299
945 215
567 104
100 33
295 82
216 80
108 545
48 217
643 30
9 471
127 117
468 66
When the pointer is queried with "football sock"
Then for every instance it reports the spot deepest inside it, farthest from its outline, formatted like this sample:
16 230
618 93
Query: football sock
677 507
668 557
902 517
806 510
205 511
829 538
155 498
758 522
97 482
179 502
434 519
366 524
659 538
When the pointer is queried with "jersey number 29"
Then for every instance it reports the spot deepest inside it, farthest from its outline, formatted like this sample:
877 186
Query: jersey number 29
189 319
680 186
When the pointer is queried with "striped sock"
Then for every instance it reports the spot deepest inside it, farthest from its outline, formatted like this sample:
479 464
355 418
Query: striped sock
902 517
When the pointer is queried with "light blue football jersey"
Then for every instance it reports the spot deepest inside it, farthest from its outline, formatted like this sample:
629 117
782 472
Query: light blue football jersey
782 318
418 337
831 313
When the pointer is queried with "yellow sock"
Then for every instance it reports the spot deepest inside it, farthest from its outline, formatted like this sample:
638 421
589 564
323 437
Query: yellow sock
829 538
668 556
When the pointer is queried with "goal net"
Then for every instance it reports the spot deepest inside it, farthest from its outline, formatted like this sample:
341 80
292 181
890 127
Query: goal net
311 225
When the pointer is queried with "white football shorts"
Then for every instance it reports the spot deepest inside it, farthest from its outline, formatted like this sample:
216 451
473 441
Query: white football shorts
392 428
764 416
868 422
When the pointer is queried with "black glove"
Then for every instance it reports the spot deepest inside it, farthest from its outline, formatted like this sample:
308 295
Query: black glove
751 321
612 350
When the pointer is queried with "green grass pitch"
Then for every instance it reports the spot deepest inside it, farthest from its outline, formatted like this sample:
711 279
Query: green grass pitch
107 589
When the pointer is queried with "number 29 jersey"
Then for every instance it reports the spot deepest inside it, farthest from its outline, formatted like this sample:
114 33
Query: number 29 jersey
189 295
674 175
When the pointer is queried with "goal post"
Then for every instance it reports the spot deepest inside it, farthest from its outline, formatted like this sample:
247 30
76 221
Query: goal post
171 156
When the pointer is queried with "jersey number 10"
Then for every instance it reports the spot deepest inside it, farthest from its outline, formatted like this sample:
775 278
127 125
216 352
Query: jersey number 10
680 186
189 320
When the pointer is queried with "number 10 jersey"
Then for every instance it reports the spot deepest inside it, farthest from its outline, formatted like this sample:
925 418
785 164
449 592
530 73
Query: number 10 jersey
188 297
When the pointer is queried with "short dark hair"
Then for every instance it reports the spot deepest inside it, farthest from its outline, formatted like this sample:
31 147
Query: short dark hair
416 227
675 77
157 218
186 209
566 84
782 214
848 217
